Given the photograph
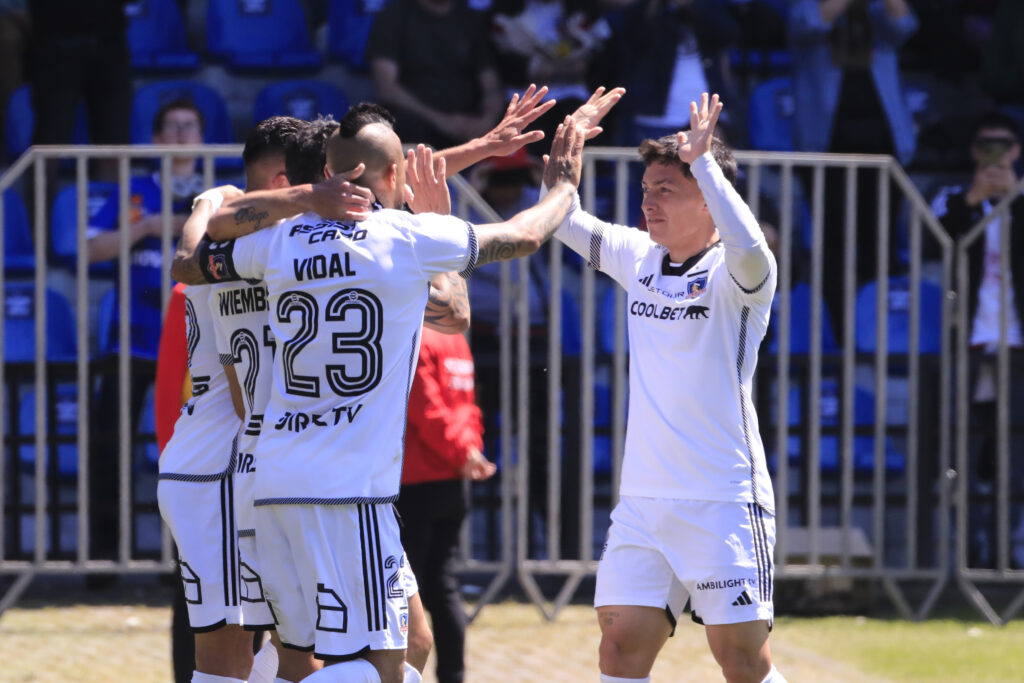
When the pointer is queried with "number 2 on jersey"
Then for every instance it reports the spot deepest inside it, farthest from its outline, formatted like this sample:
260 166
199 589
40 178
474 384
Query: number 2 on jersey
363 341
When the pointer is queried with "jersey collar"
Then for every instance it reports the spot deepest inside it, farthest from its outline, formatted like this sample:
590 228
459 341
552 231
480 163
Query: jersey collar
668 269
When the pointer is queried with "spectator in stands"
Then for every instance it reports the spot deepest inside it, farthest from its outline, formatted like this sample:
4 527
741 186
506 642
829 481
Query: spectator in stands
80 52
14 40
668 52
177 122
1002 70
846 81
443 445
550 42
995 147
432 64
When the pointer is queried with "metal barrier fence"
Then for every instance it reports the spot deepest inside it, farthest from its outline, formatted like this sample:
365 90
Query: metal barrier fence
859 494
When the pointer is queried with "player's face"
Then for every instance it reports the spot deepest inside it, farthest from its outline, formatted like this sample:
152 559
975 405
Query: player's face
673 205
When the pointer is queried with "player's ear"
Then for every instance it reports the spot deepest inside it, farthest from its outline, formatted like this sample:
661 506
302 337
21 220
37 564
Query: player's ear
391 176
327 171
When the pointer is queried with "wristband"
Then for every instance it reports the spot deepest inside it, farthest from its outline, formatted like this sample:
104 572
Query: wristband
215 197
216 261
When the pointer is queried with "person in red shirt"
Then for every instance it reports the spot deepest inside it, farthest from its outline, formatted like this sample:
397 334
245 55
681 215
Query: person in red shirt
443 439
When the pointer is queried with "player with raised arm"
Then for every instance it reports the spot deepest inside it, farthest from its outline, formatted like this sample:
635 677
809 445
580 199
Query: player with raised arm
346 304
695 519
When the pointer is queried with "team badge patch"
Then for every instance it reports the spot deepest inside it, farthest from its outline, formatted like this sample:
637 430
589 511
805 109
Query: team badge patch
696 287
403 622
217 266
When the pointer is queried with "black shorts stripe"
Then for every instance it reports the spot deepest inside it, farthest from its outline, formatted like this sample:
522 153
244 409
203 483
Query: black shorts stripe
232 542
767 553
758 551
355 500
366 577
383 605
224 542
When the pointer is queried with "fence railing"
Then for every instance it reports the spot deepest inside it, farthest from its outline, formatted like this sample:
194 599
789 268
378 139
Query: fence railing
859 424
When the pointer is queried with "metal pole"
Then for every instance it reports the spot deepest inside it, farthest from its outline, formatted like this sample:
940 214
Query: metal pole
554 383
82 323
813 396
913 384
124 361
881 365
586 503
41 520
782 368
849 361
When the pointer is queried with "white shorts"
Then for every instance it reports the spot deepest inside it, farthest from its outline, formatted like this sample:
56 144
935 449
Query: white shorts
333 577
201 518
661 552
256 614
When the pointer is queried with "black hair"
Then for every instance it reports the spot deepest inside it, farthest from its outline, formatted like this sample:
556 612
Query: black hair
173 104
665 150
273 136
361 115
304 161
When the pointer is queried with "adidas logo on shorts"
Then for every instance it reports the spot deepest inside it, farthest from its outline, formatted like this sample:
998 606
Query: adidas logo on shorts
744 599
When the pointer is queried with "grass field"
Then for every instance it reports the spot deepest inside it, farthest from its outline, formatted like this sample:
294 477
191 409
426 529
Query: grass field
121 634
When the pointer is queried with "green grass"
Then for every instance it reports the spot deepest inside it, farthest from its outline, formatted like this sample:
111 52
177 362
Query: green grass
932 650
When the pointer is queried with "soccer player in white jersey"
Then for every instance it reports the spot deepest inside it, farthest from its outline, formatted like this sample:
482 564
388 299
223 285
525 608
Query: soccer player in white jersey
695 519
346 305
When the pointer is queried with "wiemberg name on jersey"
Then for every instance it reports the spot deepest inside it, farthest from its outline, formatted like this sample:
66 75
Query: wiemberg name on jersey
242 300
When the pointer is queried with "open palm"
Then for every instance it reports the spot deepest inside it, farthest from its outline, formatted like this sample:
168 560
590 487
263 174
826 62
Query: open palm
702 128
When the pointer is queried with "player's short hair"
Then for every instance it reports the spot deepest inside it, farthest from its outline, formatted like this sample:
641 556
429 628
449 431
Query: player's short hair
272 137
995 119
173 105
665 150
361 115
304 161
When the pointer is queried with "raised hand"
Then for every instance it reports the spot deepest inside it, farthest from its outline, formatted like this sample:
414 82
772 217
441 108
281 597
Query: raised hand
426 190
565 162
590 113
702 128
338 199
508 135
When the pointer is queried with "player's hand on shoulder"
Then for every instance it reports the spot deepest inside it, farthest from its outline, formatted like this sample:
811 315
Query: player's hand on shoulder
590 113
426 190
703 119
338 199
565 162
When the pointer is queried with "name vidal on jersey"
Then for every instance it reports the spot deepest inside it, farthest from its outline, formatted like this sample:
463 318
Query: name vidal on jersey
242 300
319 267
297 422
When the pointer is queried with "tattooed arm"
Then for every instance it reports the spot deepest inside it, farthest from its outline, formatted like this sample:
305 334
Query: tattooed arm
334 198
447 309
523 234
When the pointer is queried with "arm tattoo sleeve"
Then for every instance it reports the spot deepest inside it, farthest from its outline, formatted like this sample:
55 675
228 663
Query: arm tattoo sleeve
520 236
251 217
447 308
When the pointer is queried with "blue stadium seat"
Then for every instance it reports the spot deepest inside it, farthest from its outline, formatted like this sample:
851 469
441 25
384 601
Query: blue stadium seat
303 99
156 37
64 224
606 314
149 99
19 256
800 323
65 410
21 123
19 331
260 34
772 107
898 316
147 453
348 27
105 339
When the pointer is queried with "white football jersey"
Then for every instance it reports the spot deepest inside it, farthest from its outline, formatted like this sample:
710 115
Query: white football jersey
346 308
240 312
202 445
694 334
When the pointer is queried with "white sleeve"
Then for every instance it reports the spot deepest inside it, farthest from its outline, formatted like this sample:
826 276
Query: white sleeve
443 243
747 256
612 249
251 253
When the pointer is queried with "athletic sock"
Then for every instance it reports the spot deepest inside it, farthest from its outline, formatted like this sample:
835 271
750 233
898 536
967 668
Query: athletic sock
774 677
411 674
264 664
616 679
352 671
200 677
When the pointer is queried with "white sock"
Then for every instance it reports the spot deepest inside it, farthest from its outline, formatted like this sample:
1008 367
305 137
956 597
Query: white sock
774 677
411 674
264 664
352 671
616 679
200 677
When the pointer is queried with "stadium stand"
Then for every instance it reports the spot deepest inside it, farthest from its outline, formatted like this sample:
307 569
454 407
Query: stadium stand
303 99
260 34
149 99
898 317
64 225
348 27
19 325
19 257
800 323
771 115
62 455
21 123
157 38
